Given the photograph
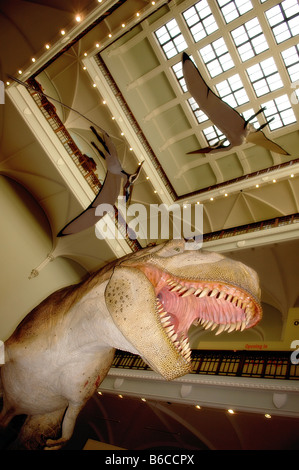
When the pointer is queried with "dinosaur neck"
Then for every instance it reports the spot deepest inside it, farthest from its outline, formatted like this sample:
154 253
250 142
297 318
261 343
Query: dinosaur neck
93 321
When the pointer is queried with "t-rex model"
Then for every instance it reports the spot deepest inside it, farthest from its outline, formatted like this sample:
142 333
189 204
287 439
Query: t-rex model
143 303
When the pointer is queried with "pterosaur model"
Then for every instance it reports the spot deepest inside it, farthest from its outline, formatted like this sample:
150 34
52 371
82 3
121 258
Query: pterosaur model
115 178
236 129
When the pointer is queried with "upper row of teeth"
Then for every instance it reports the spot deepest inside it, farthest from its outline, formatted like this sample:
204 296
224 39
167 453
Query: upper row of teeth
182 345
207 291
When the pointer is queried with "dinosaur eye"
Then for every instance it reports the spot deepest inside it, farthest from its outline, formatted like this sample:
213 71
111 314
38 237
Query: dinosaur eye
177 249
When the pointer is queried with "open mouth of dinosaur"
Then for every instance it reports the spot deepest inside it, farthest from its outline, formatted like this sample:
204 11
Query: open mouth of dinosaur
212 305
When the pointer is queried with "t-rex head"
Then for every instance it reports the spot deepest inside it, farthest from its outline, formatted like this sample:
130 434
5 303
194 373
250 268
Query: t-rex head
155 296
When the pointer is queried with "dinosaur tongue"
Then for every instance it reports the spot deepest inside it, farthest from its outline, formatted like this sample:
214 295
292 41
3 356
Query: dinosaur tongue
182 311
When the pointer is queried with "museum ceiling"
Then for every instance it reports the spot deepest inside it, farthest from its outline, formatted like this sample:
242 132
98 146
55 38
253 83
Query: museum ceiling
118 65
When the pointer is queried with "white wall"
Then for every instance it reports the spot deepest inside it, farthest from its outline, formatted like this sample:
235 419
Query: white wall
25 241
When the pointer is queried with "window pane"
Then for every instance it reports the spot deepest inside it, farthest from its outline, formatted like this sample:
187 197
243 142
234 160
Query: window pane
280 109
232 9
264 77
216 57
249 39
291 59
171 39
200 20
284 20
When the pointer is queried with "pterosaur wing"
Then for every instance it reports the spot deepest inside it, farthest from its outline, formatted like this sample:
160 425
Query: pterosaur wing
259 138
229 121
107 195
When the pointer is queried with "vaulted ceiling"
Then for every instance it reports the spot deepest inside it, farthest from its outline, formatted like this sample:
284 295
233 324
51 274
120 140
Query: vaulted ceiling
117 64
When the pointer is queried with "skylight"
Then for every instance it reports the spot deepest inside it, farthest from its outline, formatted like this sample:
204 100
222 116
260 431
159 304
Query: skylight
200 20
178 71
246 47
291 59
213 135
232 91
232 9
284 20
171 39
200 115
249 39
216 57
280 109
264 77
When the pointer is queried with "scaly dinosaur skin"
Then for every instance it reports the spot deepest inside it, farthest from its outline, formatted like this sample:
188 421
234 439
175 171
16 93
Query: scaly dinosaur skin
143 303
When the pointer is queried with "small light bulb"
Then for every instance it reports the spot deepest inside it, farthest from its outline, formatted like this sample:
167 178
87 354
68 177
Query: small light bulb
78 18
47 46
20 72
97 44
33 59
110 35
211 199
62 32
94 85
231 411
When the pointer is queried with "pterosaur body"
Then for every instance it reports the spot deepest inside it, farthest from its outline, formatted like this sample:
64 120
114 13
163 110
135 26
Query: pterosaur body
236 129
116 179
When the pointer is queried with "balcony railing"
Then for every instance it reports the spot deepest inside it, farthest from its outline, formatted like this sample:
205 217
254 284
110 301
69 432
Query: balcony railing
256 364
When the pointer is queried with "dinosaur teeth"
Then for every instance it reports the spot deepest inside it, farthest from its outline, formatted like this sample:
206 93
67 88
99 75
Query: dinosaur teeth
190 291
220 329
197 292
204 292
214 292
232 327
